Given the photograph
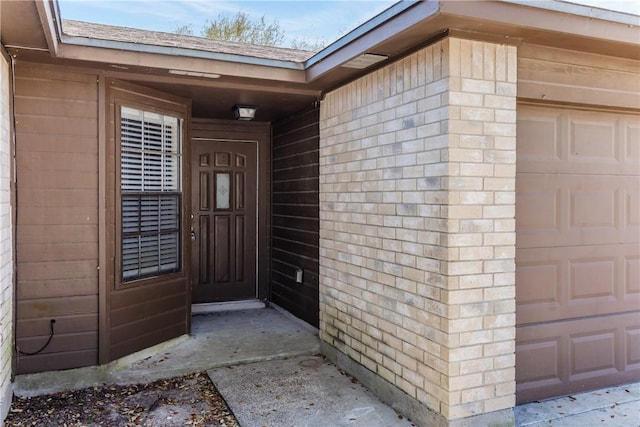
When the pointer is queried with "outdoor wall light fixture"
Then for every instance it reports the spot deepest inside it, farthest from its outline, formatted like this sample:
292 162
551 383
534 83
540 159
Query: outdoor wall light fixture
244 112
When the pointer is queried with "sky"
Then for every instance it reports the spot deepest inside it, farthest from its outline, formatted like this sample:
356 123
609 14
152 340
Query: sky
302 19
311 20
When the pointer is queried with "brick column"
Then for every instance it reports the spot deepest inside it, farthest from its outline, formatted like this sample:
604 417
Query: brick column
417 231
480 237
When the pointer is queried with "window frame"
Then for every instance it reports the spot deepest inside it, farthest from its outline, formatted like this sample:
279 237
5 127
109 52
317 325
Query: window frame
155 277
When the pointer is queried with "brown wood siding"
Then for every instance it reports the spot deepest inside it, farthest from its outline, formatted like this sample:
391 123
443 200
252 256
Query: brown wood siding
57 217
149 311
556 75
295 233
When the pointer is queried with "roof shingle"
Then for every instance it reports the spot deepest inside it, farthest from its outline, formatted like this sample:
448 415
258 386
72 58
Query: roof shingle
155 38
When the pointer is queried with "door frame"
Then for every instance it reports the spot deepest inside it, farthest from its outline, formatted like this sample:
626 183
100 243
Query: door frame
260 132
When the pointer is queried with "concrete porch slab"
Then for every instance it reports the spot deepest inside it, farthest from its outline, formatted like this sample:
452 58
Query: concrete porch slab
302 391
224 339
217 339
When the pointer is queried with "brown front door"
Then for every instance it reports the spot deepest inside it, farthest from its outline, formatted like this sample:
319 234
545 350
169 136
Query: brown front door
224 209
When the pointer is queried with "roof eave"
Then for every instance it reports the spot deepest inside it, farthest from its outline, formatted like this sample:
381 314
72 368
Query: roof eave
166 60
566 20
49 15
399 29
178 51
126 54
365 38
583 10
363 29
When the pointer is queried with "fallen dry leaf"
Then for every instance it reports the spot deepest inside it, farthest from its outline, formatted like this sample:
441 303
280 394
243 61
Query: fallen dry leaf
172 402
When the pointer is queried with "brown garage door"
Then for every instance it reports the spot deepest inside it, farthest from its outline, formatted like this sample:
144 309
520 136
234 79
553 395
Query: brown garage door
577 256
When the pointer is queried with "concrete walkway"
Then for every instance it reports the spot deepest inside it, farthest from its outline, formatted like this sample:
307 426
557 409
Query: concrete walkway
266 365
303 391
611 407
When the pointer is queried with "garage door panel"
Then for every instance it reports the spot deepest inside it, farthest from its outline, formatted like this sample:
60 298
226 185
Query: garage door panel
602 209
569 210
632 275
539 360
569 282
538 282
592 279
570 356
565 141
632 342
593 353
543 127
632 143
592 139
577 250
592 214
538 207
632 210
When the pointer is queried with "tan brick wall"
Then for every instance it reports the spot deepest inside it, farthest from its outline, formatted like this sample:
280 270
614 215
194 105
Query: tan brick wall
417 230
6 249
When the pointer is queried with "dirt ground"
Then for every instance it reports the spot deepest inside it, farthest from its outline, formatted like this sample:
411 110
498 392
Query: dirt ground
191 400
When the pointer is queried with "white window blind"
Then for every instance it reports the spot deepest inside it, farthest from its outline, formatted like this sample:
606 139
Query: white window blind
150 151
150 159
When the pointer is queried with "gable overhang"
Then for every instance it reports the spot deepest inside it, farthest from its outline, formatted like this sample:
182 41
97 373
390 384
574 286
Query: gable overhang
214 81
410 25
129 54
396 32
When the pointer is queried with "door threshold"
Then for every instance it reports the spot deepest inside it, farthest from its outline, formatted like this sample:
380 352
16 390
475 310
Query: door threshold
217 307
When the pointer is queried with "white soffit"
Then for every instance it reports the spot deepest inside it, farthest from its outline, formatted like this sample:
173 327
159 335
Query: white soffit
363 61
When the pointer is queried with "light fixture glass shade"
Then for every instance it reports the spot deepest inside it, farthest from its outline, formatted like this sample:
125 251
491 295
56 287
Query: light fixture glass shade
245 112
